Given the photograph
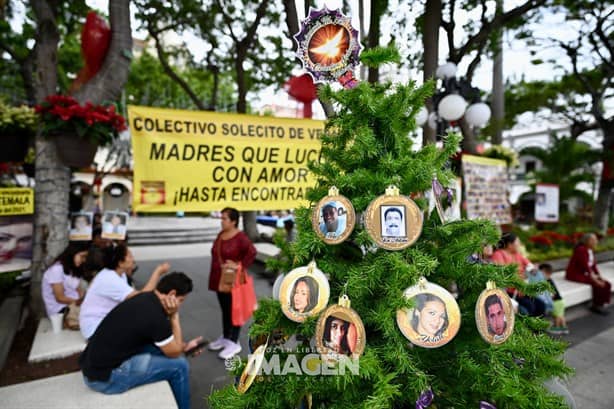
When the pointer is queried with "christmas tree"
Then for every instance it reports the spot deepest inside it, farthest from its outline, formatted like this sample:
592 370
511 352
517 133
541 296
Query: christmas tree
365 149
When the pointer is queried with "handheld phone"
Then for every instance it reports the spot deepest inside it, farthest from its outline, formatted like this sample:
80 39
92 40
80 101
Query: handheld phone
200 345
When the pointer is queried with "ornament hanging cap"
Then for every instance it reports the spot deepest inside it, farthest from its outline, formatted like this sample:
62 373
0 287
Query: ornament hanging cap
333 191
491 285
344 301
392 190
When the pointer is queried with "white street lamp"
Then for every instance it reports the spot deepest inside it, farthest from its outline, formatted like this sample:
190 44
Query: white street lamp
452 107
477 114
422 116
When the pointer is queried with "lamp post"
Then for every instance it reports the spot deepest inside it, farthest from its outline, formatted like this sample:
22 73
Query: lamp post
454 100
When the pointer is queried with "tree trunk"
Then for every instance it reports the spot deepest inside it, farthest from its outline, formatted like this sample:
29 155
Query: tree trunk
498 92
601 213
377 9
52 177
430 43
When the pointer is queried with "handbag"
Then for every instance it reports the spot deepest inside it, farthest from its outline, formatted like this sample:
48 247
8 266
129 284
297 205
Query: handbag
244 301
228 272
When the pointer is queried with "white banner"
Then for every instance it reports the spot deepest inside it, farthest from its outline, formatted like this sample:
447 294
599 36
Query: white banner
546 203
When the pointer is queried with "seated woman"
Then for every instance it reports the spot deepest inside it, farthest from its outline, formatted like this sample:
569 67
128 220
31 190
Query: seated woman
61 281
507 253
582 268
110 287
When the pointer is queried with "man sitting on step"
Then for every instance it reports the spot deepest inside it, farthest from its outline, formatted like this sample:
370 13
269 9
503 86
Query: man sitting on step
140 342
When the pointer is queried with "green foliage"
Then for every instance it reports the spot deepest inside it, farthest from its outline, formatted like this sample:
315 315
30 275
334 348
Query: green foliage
566 163
17 120
365 148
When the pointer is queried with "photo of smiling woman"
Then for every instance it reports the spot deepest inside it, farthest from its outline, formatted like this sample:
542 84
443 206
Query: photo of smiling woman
304 294
429 318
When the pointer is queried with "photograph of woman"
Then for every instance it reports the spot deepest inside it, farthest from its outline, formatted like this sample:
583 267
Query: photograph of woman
429 319
304 294
336 335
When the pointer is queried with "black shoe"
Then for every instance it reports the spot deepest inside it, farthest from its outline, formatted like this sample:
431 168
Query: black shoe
599 310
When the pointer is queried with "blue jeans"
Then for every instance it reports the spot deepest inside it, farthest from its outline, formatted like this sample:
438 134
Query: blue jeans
149 366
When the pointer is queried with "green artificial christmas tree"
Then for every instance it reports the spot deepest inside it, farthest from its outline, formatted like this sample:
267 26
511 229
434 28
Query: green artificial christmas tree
365 149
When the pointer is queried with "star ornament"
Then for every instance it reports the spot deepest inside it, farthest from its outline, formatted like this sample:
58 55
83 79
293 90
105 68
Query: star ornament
328 47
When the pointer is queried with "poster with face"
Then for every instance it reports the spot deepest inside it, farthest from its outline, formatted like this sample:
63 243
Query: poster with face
114 225
340 332
15 242
80 226
333 219
435 318
303 293
393 221
494 316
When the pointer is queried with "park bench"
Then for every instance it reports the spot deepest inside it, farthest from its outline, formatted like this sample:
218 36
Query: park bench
69 392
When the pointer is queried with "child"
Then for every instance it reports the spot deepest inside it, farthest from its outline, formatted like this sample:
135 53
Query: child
558 306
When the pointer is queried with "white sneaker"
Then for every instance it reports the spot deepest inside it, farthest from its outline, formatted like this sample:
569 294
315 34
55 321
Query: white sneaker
219 343
231 350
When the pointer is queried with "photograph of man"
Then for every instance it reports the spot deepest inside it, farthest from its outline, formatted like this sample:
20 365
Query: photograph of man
393 221
81 226
495 316
114 225
333 223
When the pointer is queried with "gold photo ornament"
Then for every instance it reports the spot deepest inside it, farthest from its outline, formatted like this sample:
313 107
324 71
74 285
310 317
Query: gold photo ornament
340 331
393 221
304 292
494 314
435 319
252 369
333 218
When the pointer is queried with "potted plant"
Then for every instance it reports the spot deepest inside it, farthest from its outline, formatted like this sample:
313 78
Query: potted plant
17 126
78 129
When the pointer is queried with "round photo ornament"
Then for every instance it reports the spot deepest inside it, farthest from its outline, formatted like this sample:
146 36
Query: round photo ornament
252 369
393 221
304 292
340 331
435 319
494 314
333 218
328 47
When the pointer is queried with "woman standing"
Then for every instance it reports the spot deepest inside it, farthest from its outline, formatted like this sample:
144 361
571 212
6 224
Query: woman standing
582 268
61 282
231 246
507 253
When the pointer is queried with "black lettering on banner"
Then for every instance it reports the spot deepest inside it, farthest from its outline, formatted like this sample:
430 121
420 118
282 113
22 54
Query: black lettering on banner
137 124
173 153
260 154
188 152
232 174
315 133
282 193
296 133
300 156
157 154
189 194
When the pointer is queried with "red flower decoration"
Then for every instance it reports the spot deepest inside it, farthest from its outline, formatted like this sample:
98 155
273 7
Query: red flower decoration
62 113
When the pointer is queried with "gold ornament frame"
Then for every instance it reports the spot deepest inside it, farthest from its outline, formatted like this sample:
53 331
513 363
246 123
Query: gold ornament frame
343 312
349 217
481 317
287 286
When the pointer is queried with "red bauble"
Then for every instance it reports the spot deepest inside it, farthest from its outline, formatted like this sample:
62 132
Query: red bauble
301 88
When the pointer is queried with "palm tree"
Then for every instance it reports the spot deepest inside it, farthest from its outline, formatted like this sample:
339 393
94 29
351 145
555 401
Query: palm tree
566 163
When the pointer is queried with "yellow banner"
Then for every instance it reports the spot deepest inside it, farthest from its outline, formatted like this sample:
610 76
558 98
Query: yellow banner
204 161
16 200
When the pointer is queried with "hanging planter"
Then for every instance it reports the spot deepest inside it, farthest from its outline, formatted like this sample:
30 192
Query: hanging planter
78 129
17 124
75 152
13 147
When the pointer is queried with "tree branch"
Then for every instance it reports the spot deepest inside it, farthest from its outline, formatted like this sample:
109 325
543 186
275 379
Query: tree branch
498 21
173 75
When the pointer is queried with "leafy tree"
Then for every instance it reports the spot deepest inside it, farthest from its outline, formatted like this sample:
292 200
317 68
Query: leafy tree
579 96
567 163
35 52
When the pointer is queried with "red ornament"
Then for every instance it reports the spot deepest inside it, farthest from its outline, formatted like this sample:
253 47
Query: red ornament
95 41
304 90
